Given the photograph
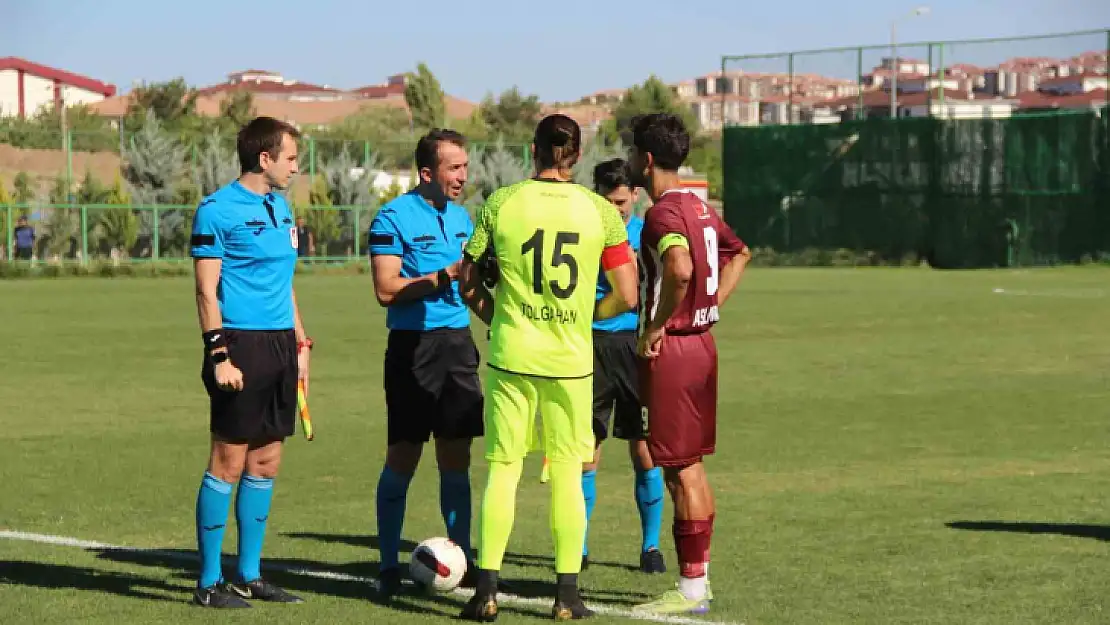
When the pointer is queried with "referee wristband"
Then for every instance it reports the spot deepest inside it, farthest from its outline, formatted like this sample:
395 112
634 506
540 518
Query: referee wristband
214 339
443 279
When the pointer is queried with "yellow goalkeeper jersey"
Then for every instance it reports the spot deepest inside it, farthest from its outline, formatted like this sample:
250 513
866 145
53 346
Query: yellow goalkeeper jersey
548 237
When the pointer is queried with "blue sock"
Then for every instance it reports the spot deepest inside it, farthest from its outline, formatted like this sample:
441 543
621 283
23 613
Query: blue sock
454 503
252 508
213 501
393 489
649 500
589 491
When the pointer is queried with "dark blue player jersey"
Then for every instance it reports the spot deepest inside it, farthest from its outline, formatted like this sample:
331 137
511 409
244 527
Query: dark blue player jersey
256 239
427 239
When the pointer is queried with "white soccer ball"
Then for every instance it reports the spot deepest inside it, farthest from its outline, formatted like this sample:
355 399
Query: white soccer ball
438 563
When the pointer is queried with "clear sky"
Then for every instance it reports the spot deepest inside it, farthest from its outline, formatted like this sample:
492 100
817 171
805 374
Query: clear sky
559 51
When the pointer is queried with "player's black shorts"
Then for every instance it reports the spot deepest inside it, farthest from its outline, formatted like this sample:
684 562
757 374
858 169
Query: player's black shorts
266 408
432 386
616 387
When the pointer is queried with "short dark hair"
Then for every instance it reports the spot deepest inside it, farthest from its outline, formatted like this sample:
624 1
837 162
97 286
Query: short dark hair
427 148
261 134
558 140
610 175
664 136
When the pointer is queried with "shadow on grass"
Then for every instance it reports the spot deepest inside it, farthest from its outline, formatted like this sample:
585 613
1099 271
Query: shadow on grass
298 575
1074 530
516 559
59 576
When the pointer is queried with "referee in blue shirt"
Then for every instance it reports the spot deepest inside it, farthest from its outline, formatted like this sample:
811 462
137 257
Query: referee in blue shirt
431 361
244 243
616 386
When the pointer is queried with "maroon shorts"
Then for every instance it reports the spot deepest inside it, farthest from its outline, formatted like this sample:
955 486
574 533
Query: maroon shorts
679 391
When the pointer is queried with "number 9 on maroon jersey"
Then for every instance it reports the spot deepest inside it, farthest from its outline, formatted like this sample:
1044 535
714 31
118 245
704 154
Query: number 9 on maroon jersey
679 386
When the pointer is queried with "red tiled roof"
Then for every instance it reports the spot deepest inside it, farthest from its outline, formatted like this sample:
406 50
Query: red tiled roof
380 91
1063 80
877 99
267 87
1040 100
62 76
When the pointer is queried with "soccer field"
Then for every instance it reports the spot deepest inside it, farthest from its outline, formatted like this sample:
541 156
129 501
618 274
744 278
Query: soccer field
895 446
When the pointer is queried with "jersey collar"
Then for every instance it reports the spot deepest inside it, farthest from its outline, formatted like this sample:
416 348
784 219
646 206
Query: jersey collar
249 195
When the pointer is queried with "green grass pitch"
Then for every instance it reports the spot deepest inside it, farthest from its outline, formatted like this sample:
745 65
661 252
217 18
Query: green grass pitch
895 446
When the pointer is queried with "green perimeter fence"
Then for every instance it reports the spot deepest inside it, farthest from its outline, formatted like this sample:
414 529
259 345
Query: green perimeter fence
68 233
1030 190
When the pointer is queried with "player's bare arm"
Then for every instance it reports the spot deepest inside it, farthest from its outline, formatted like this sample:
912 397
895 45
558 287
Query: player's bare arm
625 293
731 274
304 345
678 268
474 291
207 272
391 288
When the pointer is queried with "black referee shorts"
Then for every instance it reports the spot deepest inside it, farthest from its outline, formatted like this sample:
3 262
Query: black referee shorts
266 408
616 387
432 386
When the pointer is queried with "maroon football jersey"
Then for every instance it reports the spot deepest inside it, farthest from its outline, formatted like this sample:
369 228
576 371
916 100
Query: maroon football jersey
712 245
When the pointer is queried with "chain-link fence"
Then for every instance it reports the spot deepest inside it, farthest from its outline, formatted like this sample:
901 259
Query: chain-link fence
985 78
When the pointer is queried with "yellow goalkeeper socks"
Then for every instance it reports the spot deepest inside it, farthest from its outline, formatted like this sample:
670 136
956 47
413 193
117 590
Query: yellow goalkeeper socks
568 515
497 513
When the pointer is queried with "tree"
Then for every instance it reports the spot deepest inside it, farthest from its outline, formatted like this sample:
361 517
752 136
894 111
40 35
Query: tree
237 109
217 165
118 228
90 191
492 170
323 220
595 153
424 96
473 127
653 96
512 116
59 192
153 163
171 102
24 190
154 167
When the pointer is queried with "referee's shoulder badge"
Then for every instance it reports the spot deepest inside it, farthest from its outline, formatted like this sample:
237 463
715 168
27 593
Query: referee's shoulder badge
293 237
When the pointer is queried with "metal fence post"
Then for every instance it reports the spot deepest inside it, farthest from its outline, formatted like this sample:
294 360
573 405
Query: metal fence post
69 165
940 71
790 97
859 83
928 91
10 235
156 235
312 158
358 231
84 234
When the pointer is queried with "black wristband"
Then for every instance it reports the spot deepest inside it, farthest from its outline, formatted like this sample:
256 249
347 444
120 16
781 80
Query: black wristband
443 279
214 339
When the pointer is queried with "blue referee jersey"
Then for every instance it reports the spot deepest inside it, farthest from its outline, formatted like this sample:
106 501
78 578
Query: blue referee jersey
625 321
426 239
256 239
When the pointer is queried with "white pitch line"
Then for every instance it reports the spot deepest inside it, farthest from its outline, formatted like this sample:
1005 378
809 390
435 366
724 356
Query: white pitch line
67 541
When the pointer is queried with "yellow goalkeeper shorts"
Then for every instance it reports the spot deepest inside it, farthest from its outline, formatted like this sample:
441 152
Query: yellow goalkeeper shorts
565 409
